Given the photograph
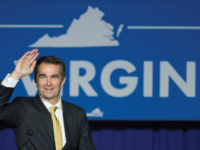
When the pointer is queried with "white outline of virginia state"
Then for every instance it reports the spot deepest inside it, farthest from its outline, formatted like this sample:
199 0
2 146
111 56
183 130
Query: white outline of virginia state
88 31
95 113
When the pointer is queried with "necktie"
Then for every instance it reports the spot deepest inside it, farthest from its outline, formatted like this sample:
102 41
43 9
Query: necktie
56 129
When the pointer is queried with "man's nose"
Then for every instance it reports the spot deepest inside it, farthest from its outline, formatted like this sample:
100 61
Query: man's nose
48 81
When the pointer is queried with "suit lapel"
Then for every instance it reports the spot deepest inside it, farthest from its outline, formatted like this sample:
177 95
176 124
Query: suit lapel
68 122
47 120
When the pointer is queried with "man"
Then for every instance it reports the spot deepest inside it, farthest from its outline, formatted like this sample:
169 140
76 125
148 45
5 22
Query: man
44 122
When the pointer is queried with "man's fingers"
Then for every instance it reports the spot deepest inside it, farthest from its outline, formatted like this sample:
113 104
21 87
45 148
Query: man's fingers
25 55
33 66
34 57
32 54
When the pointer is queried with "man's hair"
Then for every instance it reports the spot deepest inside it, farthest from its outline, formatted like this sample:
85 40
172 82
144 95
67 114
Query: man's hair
50 60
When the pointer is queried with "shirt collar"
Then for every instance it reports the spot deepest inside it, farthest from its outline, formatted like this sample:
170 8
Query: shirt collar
58 104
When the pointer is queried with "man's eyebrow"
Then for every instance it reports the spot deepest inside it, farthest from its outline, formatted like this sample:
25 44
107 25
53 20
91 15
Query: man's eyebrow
55 75
42 75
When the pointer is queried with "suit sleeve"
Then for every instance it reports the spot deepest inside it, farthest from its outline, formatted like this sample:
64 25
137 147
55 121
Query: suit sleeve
13 113
86 142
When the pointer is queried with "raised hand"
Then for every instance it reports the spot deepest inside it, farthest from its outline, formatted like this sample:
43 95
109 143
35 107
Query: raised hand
25 64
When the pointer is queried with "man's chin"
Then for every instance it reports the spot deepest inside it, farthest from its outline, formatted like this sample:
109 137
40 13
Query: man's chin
47 97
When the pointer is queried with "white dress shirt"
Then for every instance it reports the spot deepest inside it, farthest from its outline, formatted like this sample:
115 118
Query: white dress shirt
10 82
59 115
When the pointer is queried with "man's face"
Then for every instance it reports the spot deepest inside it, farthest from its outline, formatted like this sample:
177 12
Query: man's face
49 82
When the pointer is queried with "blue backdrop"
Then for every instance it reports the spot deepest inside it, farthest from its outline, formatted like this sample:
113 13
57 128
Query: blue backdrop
131 61
126 60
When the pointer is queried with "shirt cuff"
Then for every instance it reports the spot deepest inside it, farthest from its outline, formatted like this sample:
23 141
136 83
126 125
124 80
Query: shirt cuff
9 82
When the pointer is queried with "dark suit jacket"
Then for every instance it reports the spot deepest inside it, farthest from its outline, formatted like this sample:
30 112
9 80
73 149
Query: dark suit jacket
29 113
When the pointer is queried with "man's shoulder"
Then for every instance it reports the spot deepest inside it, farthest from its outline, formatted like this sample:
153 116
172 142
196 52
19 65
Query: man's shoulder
72 106
24 99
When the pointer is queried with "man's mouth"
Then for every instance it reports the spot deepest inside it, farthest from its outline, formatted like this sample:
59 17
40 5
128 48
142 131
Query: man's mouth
48 89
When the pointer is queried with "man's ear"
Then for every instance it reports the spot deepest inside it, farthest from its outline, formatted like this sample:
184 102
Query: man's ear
63 81
35 80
